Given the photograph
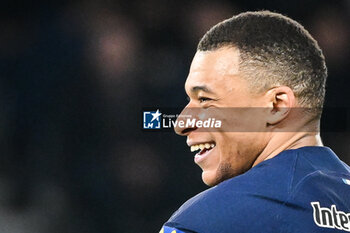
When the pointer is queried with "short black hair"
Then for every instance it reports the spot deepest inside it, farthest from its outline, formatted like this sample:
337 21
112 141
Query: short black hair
274 50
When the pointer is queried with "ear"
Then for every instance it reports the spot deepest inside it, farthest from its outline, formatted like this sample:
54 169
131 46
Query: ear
281 100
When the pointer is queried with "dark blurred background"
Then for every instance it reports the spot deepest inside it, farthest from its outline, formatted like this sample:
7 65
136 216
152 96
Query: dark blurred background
75 76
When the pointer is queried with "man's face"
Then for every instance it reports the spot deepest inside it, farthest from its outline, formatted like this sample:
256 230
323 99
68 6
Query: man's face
214 83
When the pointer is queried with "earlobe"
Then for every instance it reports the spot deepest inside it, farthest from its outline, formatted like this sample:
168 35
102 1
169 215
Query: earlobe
282 99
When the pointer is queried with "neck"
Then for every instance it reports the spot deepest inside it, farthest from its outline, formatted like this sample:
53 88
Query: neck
282 141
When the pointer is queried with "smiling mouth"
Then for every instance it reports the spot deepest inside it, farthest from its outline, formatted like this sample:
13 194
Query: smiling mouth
203 147
204 150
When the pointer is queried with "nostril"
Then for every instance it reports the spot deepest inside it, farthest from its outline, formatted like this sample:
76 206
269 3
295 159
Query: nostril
185 131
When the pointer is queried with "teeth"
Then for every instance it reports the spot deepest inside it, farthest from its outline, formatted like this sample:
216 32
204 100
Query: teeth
202 146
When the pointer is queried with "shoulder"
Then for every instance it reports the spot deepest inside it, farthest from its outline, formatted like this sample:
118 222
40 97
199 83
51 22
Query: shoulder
238 202
318 168
321 175
265 195
322 178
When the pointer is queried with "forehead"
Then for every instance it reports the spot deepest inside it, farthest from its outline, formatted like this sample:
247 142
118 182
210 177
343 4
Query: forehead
213 68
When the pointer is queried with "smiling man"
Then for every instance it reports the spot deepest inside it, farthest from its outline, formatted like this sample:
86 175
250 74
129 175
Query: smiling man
263 76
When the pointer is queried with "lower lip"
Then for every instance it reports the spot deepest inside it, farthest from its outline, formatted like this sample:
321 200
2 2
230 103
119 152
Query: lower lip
199 158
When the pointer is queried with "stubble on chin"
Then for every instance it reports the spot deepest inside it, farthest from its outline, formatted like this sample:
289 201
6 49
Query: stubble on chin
224 172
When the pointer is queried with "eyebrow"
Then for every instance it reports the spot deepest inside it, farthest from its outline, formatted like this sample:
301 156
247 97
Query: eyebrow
201 88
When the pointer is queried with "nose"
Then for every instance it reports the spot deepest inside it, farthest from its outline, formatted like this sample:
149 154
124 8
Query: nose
187 114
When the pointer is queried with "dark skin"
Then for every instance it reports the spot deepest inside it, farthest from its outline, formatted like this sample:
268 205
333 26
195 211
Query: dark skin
215 82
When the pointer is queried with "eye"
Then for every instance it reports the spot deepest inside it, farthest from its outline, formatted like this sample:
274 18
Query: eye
203 99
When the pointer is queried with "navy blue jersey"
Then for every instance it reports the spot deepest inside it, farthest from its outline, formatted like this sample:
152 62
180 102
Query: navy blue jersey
301 190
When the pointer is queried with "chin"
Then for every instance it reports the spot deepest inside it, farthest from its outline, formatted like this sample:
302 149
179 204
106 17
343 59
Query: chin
210 178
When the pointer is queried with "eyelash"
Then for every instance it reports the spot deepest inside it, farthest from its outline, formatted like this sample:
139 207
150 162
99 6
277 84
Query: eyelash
203 99
200 99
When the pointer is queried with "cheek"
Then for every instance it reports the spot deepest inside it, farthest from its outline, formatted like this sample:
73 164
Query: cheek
226 153
213 160
242 120
234 154
240 150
